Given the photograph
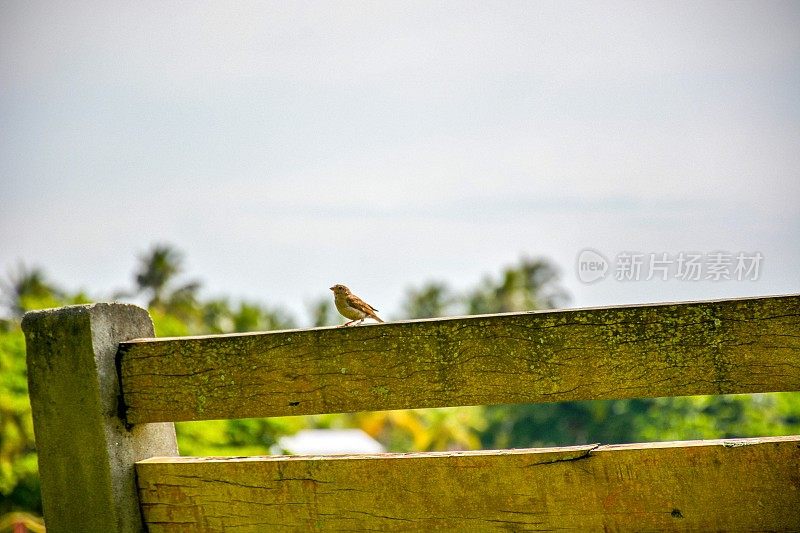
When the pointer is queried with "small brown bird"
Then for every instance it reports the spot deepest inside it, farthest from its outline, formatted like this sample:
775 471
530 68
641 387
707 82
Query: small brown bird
351 306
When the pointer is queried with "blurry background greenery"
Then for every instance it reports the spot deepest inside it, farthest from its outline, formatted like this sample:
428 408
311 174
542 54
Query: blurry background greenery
177 309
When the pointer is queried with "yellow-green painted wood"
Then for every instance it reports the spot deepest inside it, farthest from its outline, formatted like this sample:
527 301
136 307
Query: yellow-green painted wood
714 347
723 485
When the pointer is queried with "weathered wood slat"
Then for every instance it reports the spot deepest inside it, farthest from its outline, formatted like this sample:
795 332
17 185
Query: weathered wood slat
732 485
715 347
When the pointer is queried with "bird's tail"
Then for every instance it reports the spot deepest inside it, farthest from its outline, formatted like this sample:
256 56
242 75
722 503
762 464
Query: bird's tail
376 317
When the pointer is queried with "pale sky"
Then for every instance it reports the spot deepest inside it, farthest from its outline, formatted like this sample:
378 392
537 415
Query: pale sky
288 146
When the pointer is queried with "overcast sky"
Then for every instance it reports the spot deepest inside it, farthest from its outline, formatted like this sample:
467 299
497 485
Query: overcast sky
288 146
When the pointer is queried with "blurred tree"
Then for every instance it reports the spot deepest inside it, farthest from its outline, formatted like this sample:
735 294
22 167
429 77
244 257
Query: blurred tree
532 284
216 316
28 288
155 276
253 317
714 417
431 300
322 313
19 480
157 268
561 424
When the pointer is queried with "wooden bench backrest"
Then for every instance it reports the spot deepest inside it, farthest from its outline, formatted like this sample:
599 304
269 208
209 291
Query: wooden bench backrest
717 347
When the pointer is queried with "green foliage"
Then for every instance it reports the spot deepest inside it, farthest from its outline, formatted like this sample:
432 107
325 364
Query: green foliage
709 417
254 436
226 437
533 284
167 325
28 287
19 478
560 424
530 284
323 314
156 273
431 300
253 317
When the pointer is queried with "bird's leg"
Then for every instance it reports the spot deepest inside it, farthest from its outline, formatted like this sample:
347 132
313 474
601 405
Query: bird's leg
348 323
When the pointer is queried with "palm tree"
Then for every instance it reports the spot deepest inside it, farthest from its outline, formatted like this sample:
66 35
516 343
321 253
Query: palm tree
28 288
155 278
157 268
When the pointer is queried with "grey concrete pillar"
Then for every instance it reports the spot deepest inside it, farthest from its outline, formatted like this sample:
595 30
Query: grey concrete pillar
86 452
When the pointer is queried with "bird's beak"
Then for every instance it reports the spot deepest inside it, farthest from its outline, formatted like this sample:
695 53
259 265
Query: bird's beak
331 288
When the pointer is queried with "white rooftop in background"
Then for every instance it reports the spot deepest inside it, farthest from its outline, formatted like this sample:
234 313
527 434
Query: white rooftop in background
327 442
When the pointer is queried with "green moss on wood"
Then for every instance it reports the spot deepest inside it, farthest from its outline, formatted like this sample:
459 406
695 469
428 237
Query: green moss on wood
735 346
731 485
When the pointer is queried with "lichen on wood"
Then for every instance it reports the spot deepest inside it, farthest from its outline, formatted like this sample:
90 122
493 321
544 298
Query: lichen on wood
715 347
724 485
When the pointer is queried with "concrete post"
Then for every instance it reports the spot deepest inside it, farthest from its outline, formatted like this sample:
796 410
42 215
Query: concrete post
86 453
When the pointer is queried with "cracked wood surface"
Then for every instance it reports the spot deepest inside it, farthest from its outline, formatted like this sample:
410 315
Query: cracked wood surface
722 485
714 347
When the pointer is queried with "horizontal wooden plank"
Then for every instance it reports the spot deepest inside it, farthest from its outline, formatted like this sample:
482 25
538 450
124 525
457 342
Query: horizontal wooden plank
723 485
715 347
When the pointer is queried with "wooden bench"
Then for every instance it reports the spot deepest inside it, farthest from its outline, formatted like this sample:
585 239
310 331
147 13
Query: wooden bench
105 394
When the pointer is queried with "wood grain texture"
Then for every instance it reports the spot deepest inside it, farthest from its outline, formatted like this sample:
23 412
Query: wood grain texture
731 485
715 347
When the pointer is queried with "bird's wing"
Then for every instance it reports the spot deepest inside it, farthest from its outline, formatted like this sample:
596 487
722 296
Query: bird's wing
361 305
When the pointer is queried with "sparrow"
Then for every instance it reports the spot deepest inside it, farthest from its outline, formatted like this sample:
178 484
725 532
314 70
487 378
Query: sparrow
351 306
